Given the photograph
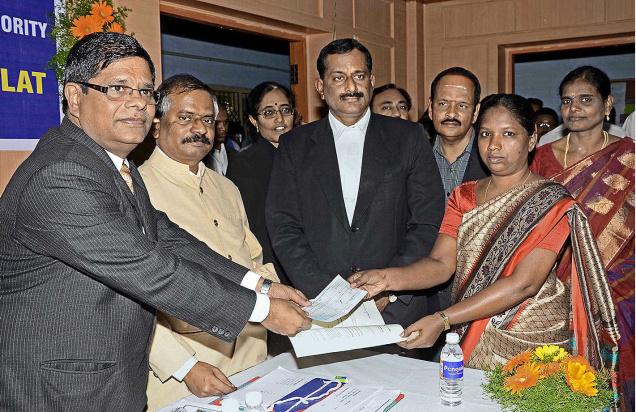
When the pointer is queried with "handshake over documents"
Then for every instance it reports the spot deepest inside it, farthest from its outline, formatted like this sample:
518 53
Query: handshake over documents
342 321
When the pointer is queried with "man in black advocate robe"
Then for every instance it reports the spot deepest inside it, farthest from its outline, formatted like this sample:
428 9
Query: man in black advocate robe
354 190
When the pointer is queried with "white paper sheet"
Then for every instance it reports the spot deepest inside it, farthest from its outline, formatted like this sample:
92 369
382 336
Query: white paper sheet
378 402
363 328
335 301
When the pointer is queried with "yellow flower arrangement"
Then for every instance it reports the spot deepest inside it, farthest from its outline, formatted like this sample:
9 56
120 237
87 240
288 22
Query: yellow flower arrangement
75 19
548 378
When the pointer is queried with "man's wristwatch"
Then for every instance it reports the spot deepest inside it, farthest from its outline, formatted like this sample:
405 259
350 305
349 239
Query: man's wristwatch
267 284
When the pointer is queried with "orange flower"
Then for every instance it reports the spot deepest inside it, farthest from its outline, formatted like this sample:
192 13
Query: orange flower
547 369
526 376
85 25
116 28
580 359
580 378
103 11
517 360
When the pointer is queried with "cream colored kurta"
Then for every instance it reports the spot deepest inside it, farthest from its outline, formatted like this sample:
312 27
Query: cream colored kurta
210 208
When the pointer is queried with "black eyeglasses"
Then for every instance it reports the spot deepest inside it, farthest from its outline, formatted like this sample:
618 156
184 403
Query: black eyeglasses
270 113
118 92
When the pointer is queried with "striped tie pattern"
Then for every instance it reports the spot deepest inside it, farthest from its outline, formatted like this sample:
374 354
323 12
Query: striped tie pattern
125 174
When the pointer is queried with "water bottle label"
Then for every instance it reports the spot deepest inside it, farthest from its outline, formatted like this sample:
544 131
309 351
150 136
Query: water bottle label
453 370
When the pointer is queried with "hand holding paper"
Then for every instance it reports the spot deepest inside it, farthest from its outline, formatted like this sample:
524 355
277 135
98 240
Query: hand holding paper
335 301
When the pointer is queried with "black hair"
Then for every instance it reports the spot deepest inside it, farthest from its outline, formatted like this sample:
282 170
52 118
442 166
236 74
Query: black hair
546 111
535 100
390 86
341 46
458 71
255 97
518 106
95 52
596 77
179 83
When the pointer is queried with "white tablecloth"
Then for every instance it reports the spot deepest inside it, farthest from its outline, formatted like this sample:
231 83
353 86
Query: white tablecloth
418 380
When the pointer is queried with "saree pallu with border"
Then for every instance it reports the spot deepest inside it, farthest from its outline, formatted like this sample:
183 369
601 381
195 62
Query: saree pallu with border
575 312
603 185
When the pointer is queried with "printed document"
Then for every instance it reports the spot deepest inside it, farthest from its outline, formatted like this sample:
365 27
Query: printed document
335 301
363 328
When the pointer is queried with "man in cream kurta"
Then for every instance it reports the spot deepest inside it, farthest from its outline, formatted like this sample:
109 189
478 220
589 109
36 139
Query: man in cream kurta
208 206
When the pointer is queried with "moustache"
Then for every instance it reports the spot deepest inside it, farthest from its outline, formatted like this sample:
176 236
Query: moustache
351 94
195 138
452 121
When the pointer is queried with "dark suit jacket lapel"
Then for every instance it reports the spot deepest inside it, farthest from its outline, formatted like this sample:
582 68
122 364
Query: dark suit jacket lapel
374 159
325 168
143 200
80 136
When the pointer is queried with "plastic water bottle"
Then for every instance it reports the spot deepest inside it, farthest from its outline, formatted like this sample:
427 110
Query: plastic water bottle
451 371
254 401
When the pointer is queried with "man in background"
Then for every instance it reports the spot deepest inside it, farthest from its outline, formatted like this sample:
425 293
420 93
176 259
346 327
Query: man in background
453 108
390 100
217 159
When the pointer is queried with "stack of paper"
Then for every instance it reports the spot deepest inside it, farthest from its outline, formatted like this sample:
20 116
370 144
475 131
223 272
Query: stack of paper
337 328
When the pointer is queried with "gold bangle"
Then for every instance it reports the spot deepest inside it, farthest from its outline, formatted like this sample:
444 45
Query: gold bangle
445 320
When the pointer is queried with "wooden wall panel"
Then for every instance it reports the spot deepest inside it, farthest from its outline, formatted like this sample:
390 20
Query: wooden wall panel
9 161
619 10
545 14
382 62
452 29
374 16
468 20
473 57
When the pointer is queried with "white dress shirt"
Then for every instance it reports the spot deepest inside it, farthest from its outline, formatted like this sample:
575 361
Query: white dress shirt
349 142
219 160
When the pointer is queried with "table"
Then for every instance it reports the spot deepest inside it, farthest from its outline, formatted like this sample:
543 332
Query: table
417 379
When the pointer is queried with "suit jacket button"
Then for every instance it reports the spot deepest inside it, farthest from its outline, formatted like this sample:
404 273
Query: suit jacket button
221 332
214 329
227 334
355 228
216 222
354 268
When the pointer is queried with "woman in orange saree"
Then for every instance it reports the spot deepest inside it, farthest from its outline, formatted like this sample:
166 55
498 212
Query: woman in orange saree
501 237
598 169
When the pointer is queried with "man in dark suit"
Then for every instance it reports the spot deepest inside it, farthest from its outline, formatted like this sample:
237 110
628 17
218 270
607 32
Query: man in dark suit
453 108
85 258
354 190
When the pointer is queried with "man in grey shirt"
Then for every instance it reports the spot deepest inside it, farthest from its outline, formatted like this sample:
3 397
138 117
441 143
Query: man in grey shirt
453 107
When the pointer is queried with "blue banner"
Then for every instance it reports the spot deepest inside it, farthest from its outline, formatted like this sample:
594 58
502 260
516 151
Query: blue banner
29 103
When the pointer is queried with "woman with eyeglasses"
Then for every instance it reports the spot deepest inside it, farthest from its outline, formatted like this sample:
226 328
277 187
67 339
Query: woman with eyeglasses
598 169
270 108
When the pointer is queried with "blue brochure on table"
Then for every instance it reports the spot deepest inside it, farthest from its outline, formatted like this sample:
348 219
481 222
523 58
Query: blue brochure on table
310 393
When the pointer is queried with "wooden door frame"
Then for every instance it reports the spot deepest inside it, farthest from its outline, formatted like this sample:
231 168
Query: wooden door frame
508 52
218 16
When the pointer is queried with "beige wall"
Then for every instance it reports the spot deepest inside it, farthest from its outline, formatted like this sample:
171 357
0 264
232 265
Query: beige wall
410 40
472 33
